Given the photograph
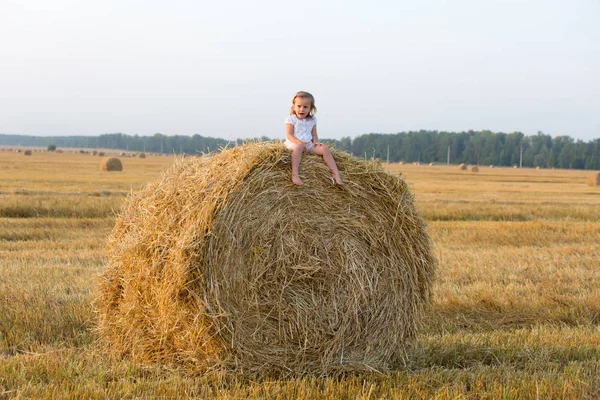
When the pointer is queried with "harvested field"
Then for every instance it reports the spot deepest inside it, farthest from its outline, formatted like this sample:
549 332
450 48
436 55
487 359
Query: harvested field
515 308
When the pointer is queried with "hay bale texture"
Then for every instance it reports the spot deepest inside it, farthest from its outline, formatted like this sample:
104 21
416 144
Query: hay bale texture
462 167
594 179
474 168
111 164
224 263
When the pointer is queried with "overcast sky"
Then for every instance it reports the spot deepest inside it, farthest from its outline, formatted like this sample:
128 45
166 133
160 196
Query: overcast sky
229 68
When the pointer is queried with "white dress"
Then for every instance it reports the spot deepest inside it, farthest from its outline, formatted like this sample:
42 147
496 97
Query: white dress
302 130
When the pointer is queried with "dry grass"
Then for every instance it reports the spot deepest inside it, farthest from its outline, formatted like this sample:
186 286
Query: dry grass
515 314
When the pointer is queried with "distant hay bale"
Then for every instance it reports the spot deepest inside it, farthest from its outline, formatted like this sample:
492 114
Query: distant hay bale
474 168
222 264
111 164
401 163
462 167
27 152
537 167
491 165
59 151
431 164
594 180
101 153
142 155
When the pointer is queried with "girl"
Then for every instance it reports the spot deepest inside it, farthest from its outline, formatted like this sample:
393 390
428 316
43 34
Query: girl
301 136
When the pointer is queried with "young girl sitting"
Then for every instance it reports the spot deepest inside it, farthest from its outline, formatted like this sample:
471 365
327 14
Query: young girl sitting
301 136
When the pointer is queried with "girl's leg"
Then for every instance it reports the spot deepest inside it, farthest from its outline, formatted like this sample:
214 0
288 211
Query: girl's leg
297 151
322 150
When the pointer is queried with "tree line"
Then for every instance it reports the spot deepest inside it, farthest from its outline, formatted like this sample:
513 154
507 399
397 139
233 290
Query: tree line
158 143
472 147
476 147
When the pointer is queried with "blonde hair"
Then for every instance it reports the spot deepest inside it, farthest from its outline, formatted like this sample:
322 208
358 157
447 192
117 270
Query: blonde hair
305 95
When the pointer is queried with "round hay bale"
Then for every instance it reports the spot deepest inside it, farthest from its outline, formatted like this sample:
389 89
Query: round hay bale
224 263
101 154
491 165
142 155
94 152
594 180
431 164
474 168
27 152
401 163
537 167
111 164
462 167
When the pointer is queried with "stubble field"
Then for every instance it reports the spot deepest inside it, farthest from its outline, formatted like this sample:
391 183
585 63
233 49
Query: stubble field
516 308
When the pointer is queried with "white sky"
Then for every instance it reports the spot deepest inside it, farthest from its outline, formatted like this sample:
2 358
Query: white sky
229 68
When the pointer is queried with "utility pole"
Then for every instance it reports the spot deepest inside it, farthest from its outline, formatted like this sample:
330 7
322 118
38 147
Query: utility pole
521 158
448 162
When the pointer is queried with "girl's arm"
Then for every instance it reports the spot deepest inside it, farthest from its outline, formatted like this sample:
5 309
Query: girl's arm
289 134
315 137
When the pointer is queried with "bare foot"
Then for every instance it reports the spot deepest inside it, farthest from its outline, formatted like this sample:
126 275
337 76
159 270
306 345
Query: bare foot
338 179
297 181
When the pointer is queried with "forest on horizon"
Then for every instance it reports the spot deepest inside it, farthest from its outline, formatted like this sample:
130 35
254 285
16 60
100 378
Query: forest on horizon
471 147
